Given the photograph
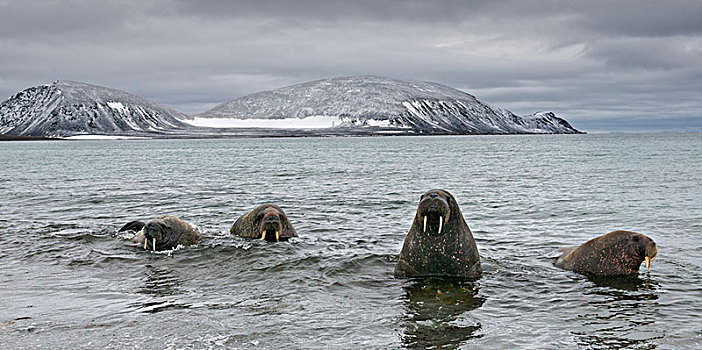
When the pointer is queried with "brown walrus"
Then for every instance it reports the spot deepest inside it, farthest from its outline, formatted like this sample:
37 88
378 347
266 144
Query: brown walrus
439 243
267 222
612 254
162 233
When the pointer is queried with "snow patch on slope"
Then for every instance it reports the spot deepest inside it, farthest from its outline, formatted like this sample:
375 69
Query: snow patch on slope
118 106
310 122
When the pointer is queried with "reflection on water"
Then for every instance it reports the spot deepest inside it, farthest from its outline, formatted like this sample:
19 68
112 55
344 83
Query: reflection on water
160 282
161 285
437 313
622 314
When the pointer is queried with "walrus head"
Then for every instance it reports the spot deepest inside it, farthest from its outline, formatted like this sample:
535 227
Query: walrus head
636 248
267 222
154 234
270 224
627 249
434 211
644 247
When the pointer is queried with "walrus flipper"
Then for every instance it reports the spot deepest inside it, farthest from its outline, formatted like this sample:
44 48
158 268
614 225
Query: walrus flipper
135 226
560 252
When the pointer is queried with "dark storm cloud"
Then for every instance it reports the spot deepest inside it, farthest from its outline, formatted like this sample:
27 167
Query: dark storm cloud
592 62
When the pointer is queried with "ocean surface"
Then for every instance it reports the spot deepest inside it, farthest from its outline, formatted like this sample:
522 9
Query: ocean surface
69 280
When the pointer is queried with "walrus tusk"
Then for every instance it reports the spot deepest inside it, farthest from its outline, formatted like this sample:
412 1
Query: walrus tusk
263 235
146 241
441 223
648 263
277 236
154 244
425 224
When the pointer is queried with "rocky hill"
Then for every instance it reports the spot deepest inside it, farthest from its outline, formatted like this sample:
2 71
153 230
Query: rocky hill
385 103
68 108
359 105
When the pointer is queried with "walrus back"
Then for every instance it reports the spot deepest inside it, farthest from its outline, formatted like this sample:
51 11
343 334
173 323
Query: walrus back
187 235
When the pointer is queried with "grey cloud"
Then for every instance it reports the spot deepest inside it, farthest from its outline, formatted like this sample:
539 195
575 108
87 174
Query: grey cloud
37 20
644 18
588 61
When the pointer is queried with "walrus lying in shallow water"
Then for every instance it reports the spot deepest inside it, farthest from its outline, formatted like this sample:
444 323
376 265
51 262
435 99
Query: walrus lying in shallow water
162 233
267 222
612 254
439 243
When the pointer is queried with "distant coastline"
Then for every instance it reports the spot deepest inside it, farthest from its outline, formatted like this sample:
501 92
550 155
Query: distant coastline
6 137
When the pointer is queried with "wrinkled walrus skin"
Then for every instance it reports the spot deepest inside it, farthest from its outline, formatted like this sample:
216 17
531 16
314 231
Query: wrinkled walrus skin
164 232
439 244
267 222
613 254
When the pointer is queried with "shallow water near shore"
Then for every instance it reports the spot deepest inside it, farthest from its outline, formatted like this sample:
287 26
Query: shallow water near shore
70 281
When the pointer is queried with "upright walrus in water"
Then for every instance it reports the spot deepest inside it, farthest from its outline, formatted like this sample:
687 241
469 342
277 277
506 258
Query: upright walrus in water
267 222
612 254
162 233
439 243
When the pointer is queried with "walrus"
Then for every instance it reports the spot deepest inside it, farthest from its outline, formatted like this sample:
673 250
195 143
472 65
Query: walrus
164 232
267 222
439 243
612 254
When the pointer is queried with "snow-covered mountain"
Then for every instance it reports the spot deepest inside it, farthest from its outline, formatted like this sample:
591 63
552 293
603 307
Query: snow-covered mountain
360 105
67 108
383 103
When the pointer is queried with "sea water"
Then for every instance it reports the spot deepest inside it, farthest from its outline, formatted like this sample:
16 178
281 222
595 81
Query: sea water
69 280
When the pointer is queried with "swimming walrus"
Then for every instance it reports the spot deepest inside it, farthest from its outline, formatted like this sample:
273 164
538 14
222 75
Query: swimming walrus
162 233
267 222
439 243
612 254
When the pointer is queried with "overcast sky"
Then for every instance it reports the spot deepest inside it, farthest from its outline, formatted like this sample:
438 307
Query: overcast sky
602 65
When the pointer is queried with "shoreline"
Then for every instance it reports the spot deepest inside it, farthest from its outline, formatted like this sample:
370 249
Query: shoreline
253 133
6 137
